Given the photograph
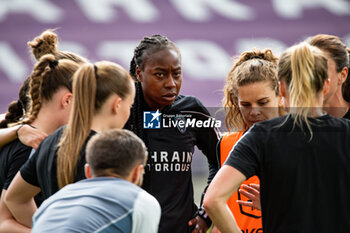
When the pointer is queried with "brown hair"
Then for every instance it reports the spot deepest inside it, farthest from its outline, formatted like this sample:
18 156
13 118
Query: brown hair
92 85
303 68
253 66
17 109
47 43
115 152
48 76
338 52
346 85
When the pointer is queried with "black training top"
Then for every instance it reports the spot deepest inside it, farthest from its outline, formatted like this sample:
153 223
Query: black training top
168 170
304 183
347 114
12 156
41 169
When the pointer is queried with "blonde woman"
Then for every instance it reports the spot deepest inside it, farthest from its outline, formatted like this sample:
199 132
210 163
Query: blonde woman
251 95
302 159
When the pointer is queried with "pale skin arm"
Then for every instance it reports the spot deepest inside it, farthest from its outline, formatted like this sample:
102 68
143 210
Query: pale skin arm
251 191
8 223
27 135
8 135
30 136
214 230
224 184
20 200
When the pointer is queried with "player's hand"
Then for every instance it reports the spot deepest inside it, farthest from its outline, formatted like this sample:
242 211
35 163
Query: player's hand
30 136
252 192
200 225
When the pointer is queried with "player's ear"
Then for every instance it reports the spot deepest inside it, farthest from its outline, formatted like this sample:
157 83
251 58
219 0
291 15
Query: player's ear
116 104
139 74
87 171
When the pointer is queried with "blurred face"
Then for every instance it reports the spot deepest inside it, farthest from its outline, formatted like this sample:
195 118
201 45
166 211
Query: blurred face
257 102
334 78
124 108
161 78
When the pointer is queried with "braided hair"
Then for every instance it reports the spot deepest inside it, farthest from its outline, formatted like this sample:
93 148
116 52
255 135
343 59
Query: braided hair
47 77
17 109
47 43
147 46
44 44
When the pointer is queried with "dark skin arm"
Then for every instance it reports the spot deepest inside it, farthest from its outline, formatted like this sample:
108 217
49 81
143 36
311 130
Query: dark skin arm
207 140
199 223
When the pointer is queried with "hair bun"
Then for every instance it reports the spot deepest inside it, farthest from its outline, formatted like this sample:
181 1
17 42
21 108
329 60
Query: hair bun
46 43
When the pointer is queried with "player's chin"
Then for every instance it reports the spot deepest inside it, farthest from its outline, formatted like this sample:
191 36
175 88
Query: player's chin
168 100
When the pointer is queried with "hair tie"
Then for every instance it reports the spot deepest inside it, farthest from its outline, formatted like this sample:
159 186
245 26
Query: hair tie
95 68
53 63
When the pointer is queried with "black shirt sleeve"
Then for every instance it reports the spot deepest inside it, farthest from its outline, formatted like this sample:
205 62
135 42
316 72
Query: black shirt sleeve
247 152
18 158
28 170
218 152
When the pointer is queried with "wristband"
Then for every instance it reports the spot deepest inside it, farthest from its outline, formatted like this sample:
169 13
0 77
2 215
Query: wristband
201 213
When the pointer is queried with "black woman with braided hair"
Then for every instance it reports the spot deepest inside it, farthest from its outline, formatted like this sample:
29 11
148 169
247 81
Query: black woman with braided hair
156 68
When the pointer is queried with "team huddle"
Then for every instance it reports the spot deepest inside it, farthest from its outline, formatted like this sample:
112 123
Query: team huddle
75 155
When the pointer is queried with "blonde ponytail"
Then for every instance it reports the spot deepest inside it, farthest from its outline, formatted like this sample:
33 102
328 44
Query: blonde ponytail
300 88
304 69
72 140
92 85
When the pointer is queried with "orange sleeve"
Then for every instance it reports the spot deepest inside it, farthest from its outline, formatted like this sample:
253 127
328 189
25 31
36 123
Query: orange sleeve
248 219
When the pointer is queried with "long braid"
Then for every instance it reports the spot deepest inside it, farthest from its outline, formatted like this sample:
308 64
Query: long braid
40 71
146 47
135 122
14 113
48 76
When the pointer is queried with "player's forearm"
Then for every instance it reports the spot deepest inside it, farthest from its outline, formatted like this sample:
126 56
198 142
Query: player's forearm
222 217
8 135
23 212
10 225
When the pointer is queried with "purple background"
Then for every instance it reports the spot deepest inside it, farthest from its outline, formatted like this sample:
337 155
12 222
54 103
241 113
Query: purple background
207 44
208 33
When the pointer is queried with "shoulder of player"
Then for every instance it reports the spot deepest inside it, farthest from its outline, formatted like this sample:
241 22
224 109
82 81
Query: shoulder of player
188 103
